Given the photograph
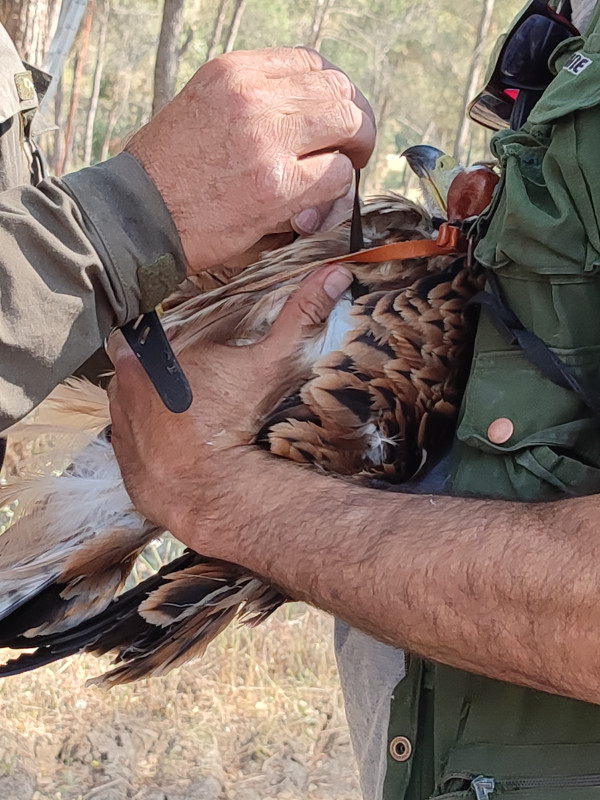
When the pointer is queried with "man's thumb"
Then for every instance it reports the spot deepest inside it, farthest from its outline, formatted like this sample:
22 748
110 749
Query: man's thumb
309 305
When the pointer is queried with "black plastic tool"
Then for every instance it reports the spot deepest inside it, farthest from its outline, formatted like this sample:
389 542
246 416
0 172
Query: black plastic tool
148 340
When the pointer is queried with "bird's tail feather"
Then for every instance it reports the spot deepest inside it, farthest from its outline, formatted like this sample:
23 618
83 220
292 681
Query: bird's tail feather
183 608
73 541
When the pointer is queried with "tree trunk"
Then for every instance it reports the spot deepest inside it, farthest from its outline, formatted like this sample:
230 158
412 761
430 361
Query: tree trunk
58 149
77 75
189 38
91 118
320 16
113 118
167 54
475 70
370 174
240 7
215 39
31 25
116 111
72 13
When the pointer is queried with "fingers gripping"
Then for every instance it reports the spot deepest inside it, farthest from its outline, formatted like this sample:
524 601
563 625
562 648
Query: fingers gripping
310 305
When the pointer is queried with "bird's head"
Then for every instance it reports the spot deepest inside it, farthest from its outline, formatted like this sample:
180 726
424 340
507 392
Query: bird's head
449 190
436 171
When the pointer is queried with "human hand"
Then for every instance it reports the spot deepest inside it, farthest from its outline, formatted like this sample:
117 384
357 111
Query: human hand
324 217
176 466
256 140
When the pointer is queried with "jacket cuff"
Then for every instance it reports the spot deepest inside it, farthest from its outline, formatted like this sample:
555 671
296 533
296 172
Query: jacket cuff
128 224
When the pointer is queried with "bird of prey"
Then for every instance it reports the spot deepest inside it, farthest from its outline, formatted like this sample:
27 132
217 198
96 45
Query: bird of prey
371 394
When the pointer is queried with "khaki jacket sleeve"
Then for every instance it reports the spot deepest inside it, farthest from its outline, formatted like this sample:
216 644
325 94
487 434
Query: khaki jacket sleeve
70 251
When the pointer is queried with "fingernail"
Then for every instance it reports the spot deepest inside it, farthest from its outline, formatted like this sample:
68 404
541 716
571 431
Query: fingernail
307 220
337 282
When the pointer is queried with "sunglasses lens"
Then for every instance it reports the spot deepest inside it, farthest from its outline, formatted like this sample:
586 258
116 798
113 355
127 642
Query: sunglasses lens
491 111
524 63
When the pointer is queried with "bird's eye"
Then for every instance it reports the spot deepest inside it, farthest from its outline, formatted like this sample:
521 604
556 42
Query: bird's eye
446 162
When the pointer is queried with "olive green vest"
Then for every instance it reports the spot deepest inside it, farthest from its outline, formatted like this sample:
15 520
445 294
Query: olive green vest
454 735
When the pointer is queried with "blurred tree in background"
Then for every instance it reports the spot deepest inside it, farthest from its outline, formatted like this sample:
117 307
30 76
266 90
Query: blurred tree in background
416 60
31 25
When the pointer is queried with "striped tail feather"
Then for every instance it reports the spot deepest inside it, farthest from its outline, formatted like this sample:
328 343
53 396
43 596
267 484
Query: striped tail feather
160 624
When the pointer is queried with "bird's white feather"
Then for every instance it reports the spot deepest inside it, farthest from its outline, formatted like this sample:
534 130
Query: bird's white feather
339 324
67 519
69 419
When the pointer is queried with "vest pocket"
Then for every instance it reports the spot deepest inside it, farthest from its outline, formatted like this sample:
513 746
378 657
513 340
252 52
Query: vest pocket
506 386
552 441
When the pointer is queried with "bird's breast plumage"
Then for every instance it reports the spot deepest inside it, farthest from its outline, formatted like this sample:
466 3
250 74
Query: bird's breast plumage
368 380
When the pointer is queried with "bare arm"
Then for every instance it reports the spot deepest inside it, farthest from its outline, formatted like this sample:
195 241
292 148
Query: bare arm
502 589
508 590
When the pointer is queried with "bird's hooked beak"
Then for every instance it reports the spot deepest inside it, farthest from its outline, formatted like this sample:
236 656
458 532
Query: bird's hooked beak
436 170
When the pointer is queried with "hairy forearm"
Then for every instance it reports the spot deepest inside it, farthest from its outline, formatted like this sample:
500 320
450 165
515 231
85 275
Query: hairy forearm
504 589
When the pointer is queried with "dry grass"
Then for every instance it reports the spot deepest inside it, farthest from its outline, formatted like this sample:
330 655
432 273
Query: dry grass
260 717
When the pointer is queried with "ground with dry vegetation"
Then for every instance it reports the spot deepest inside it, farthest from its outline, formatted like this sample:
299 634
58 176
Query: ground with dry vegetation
260 717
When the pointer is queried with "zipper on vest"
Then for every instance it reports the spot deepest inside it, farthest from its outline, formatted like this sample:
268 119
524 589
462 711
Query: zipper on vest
484 787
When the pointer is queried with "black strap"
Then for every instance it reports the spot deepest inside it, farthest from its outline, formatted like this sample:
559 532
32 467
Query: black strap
148 340
357 240
534 349
2 451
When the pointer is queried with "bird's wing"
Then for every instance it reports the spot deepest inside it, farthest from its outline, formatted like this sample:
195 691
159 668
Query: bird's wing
72 415
75 405
158 625
75 532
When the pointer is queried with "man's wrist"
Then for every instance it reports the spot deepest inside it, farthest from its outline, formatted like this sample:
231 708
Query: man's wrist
231 505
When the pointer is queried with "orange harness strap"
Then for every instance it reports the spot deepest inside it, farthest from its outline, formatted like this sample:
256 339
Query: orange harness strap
450 240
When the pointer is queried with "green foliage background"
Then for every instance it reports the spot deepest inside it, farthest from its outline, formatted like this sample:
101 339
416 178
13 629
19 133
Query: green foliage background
410 57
